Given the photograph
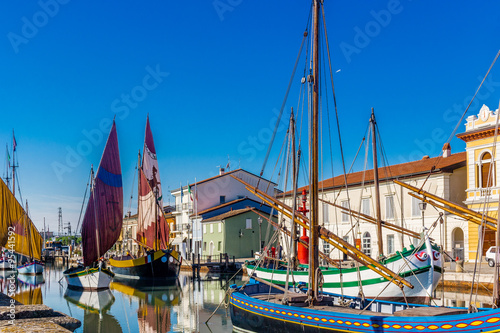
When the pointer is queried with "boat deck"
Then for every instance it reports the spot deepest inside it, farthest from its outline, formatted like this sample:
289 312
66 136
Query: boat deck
299 300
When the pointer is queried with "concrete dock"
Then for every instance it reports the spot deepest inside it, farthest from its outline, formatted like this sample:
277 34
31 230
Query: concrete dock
16 317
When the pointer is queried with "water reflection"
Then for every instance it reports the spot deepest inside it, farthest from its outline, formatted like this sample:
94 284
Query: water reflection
95 305
461 298
25 289
155 304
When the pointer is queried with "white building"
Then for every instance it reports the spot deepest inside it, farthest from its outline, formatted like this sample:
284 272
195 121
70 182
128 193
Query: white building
205 194
448 180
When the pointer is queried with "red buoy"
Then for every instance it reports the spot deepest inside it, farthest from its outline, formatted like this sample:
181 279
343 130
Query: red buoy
302 250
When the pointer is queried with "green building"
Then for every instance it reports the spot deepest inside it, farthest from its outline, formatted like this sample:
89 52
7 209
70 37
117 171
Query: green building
239 233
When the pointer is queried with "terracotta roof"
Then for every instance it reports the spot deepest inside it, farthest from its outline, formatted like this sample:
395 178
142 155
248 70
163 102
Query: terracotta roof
228 214
404 170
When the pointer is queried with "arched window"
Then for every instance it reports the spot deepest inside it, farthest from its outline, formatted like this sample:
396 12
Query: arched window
367 243
486 166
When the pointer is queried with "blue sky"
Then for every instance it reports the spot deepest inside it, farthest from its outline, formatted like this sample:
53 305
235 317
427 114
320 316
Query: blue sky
211 75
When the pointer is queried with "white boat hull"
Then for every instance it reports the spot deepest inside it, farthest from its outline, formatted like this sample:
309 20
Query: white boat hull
85 278
6 266
31 268
416 269
90 300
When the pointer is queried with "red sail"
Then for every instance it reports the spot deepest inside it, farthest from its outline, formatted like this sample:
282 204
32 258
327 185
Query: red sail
102 222
153 230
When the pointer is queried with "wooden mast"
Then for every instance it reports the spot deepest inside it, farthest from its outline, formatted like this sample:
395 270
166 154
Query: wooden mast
294 233
139 223
313 187
377 190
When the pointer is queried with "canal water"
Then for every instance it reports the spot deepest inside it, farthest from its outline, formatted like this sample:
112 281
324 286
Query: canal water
182 306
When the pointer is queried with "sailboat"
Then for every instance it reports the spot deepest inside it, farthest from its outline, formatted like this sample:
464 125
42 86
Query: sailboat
422 265
261 306
102 221
160 261
19 236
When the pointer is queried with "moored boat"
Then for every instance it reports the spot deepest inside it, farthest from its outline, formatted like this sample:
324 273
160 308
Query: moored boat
262 306
102 221
157 260
31 268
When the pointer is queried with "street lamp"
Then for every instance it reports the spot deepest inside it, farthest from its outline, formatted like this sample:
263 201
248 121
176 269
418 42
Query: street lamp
259 219
423 206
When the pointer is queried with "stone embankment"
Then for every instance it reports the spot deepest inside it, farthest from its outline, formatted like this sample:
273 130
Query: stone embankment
16 317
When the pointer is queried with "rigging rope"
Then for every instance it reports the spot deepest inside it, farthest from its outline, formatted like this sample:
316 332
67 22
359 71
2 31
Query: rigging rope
463 115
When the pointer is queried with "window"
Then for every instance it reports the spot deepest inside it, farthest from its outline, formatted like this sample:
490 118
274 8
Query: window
390 244
220 227
222 199
365 206
389 207
204 228
485 167
326 248
345 216
367 244
219 246
204 246
415 207
249 224
325 213
211 228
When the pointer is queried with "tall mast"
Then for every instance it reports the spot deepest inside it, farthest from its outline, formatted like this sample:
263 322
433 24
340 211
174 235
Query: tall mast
13 164
139 222
376 184
96 223
295 236
313 187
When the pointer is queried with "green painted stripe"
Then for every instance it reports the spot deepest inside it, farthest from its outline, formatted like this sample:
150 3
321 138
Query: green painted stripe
367 282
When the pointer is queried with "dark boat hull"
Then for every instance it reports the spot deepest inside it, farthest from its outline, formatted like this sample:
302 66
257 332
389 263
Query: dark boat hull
256 308
162 264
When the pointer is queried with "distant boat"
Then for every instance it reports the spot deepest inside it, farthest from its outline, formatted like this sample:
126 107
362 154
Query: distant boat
18 234
102 221
160 261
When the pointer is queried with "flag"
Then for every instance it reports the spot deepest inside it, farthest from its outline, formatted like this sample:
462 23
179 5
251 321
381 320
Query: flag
14 143
182 192
190 194
8 155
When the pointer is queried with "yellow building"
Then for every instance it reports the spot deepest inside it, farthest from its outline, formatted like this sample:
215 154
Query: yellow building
482 191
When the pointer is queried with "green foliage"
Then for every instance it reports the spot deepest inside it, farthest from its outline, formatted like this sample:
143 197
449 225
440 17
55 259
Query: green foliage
66 240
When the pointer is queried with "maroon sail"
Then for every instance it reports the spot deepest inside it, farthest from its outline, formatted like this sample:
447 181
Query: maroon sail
103 218
153 230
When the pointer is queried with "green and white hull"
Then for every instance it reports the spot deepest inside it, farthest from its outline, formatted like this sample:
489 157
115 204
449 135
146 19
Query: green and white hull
417 267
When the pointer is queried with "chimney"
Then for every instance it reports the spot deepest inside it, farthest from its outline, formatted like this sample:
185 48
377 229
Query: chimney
446 150
221 171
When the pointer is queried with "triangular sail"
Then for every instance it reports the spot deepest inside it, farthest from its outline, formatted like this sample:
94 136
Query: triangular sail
17 231
103 218
153 235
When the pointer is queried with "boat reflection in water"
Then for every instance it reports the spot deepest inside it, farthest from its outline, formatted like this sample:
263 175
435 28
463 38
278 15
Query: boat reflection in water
96 305
26 289
154 313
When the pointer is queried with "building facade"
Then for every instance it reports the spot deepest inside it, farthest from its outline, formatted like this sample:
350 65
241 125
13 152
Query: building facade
447 180
482 175
194 199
